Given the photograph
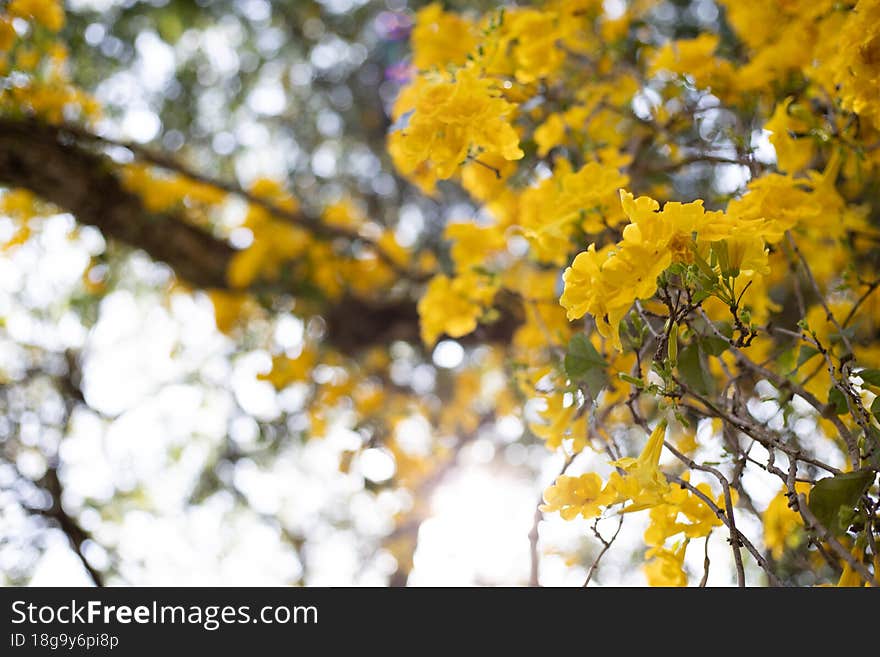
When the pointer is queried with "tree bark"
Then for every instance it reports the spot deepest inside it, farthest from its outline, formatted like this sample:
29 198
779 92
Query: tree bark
58 168
39 158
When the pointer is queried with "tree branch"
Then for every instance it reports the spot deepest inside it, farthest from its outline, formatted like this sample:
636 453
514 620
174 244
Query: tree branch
37 157
51 162
76 535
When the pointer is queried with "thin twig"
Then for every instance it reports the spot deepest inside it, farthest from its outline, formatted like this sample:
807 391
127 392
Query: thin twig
734 540
706 562
747 544
534 535
873 285
813 525
606 545
809 272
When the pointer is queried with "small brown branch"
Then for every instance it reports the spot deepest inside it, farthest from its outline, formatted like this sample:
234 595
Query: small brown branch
782 383
734 540
873 285
706 562
534 557
313 224
813 525
606 545
815 285
534 535
76 535
747 544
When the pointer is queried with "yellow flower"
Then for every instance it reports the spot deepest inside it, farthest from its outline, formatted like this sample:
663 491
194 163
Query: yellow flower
472 244
696 59
575 496
553 210
549 134
535 54
666 567
229 308
643 483
453 305
561 422
588 290
287 370
743 253
441 38
782 524
857 70
606 283
794 147
486 180
452 119
682 505
850 577
275 244
48 13
7 34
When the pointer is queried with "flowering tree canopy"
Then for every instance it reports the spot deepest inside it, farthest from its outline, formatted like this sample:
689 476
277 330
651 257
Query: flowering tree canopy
644 234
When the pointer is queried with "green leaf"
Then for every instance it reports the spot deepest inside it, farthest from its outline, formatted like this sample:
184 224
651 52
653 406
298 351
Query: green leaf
871 444
871 377
694 369
701 295
875 408
638 383
672 345
681 419
837 400
584 364
832 499
713 345
785 360
849 333
805 354
704 266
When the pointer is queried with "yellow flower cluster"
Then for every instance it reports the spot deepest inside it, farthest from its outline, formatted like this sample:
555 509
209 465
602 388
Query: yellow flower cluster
48 13
21 206
283 248
594 123
605 283
453 118
782 524
789 119
857 65
440 38
454 305
639 484
561 420
550 212
834 43
576 123
696 59
275 242
161 192
642 484
44 89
